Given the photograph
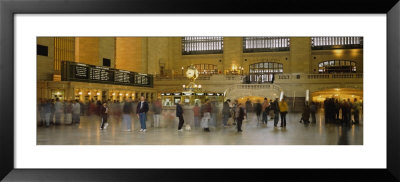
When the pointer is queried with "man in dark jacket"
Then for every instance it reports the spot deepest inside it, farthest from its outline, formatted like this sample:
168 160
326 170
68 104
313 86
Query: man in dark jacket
104 116
240 118
141 111
179 114
226 112
258 109
276 111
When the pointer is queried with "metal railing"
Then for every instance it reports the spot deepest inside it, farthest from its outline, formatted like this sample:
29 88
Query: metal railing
318 76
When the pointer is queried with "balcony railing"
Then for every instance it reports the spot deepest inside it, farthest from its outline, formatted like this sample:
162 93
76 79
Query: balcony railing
318 76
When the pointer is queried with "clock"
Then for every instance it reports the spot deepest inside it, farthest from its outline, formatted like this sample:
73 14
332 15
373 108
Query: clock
192 73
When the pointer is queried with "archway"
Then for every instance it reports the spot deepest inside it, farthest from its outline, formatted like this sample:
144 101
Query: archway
337 93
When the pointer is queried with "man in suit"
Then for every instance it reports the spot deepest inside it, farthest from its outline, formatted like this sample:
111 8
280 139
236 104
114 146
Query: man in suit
179 114
141 111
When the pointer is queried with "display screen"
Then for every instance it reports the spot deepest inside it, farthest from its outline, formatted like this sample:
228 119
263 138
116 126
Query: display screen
72 71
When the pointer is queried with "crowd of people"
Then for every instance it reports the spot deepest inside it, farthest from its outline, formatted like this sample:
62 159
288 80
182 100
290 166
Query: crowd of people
204 115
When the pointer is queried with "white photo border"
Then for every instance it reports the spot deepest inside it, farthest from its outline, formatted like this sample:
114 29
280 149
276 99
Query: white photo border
372 154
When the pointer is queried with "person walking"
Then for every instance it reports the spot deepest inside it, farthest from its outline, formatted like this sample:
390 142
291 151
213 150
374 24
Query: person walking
126 114
276 111
313 110
258 109
52 112
104 116
196 114
179 114
47 111
156 108
205 113
271 109
283 108
356 109
68 112
249 107
265 109
306 114
58 111
240 117
141 112
226 113
76 112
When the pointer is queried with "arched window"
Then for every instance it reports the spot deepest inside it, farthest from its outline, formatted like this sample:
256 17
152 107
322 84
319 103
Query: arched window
264 72
265 44
336 42
337 66
202 45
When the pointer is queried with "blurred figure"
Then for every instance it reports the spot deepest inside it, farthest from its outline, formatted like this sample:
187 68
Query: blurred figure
249 107
313 110
240 117
126 116
349 107
76 112
271 109
258 109
226 113
58 111
98 107
157 109
306 114
356 109
67 112
265 109
234 106
42 106
214 113
104 116
196 114
141 111
52 111
283 108
276 111
344 108
179 114
337 109
205 114
47 111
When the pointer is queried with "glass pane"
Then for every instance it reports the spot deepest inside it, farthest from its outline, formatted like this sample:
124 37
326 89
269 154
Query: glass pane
265 65
256 65
260 65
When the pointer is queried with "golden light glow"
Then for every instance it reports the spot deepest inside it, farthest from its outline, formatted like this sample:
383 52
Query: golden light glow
98 93
113 93
338 53
80 93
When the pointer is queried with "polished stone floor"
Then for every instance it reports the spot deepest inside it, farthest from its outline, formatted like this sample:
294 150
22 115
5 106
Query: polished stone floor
88 133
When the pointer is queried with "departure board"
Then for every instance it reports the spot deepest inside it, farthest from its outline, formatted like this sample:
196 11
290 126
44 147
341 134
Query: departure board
124 77
81 71
72 71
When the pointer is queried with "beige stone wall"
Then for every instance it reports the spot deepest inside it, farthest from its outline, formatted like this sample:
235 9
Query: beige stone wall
129 54
107 50
300 55
45 64
87 50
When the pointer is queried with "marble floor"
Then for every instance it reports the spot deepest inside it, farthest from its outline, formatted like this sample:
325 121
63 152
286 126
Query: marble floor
88 133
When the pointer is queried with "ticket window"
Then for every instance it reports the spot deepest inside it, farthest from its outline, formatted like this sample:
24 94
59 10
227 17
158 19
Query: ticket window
167 101
177 100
